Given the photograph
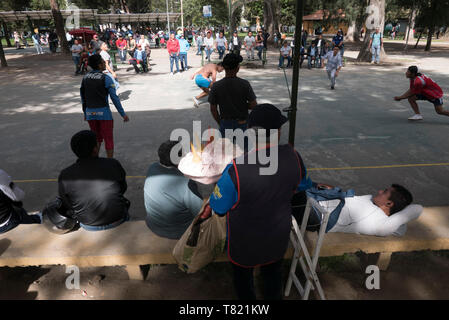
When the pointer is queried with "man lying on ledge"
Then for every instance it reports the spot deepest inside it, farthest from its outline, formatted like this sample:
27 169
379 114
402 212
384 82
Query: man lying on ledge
384 214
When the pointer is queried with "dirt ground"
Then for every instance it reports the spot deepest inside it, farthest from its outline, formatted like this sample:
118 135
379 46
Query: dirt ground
42 89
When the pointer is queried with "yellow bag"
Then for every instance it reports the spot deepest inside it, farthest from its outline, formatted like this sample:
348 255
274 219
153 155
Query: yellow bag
202 242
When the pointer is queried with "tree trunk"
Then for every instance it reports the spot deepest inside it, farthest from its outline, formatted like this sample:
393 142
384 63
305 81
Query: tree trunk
124 6
6 31
59 23
429 38
419 38
371 24
271 17
411 26
352 31
3 63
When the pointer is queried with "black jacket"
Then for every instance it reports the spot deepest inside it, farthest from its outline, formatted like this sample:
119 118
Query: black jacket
7 207
92 191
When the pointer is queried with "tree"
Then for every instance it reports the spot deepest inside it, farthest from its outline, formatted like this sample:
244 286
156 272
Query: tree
3 63
376 18
431 15
59 24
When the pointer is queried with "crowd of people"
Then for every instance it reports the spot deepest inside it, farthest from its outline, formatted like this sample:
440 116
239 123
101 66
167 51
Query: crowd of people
91 192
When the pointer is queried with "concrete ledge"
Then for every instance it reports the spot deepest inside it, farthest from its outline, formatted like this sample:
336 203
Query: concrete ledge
133 244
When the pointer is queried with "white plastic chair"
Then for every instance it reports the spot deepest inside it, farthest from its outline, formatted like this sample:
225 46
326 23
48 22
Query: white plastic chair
301 253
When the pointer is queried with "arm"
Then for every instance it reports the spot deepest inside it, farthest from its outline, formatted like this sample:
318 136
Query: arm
110 85
406 95
214 76
214 111
225 194
192 198
108 67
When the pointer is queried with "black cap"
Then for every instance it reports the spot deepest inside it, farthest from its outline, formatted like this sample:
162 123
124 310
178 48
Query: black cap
266 116
232 61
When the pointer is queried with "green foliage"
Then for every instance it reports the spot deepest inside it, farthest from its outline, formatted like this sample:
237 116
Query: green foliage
252 11
193 13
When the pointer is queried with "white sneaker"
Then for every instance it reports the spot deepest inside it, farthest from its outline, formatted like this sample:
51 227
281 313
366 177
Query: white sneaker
372 62
171 73
196 103
416 117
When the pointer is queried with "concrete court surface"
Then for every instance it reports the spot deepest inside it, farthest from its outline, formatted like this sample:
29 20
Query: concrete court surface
357 125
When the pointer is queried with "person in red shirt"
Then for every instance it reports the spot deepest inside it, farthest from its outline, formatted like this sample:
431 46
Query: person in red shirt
173 51
122 46
422 88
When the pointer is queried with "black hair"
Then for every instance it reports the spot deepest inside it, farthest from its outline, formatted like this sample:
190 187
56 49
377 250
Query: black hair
414 70
220 64
400 197
231 61
94 61
164 153
83 143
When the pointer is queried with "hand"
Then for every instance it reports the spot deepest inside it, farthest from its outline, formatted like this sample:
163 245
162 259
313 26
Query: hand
207 212
336 73
397 98
324 186
114 75
193 76
125 118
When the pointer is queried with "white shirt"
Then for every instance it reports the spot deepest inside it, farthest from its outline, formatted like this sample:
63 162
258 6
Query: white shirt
105 55
76 47
285 51
361 216
144 43
333 62
209 42
68 36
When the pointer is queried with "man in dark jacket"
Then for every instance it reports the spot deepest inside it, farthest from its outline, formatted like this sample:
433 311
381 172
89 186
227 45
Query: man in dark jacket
92 188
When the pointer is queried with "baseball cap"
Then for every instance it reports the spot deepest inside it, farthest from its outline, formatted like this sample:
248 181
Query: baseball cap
9 188
266 116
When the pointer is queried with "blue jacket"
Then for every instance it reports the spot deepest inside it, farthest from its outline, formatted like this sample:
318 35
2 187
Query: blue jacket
144 55
184 46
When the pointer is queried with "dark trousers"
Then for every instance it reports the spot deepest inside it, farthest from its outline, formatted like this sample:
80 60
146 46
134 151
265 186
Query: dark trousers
20 216
272 281
143 63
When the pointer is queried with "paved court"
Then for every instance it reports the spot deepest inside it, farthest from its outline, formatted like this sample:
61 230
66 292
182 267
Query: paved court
356 125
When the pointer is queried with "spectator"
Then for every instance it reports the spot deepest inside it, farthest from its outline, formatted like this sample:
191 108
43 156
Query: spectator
53 41
221 45
140 57
76 55
286 53
92 189
95 44
122 45
312 53
304 37
17 40
173 51
259 44
337 41
147 48
172 201
249 43
184 47
235 44
258 207
132 45
233 95
320 45
107 59
376 43
96 87
209 45
199 43
37 42
12 212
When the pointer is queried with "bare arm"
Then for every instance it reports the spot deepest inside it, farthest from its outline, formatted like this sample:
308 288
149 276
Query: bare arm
405 95
214 76
214 111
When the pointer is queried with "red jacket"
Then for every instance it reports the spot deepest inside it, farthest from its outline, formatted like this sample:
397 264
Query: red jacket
426 86
173 46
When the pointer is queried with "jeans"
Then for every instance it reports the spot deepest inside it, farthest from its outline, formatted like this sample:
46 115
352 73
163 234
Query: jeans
331 75
20 216
282 59
272 278
233 125
310 62
76 61
221 51
250 51
376 53
208 53
259 52
183 58
122 55
198 52
106 227
174 58
38 48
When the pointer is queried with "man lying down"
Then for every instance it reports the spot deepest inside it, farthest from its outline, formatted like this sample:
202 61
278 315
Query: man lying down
385 214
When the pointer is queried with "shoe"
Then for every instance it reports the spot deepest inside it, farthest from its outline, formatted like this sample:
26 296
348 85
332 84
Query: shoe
196 103
416 117
332 88
372 62
171 73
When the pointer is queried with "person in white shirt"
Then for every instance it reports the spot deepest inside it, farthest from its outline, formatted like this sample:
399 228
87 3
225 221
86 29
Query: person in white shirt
384 214
209 45
145 44
333 65
250 43
286 53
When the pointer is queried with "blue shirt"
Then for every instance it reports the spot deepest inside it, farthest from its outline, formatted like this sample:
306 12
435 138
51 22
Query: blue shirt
172 201
184 46
376 37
